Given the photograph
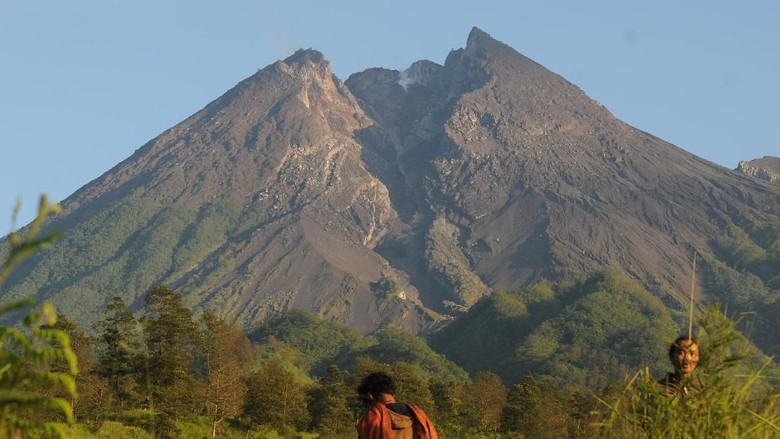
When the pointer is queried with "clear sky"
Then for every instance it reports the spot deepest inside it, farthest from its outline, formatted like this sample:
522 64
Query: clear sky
84 83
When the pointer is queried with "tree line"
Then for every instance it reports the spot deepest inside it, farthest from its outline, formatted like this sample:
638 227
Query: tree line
166 365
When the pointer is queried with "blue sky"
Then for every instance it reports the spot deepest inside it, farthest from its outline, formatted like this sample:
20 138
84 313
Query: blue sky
83 84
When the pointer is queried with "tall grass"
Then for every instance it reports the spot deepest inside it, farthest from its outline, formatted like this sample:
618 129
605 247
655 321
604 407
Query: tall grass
732 394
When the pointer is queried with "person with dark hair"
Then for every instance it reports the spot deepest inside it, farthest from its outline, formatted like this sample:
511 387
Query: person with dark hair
684 355
386 418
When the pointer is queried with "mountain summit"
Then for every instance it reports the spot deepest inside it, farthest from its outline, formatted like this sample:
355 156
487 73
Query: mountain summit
393 198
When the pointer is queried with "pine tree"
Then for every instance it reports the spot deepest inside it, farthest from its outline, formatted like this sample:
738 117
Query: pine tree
412 386
448 397
120 352
172 340
329 406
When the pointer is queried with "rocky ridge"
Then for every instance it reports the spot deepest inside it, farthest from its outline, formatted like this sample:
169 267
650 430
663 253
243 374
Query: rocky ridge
766 168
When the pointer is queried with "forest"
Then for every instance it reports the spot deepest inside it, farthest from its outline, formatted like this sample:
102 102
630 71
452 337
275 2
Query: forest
164 372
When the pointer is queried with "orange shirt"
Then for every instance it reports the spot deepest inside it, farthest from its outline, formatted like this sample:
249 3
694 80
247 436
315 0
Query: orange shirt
378 423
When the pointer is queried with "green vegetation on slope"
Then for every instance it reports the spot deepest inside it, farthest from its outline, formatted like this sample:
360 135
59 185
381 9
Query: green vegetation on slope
322 344
124 250
584 333
745 279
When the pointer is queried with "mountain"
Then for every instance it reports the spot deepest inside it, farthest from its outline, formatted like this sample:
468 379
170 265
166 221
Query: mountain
394 198
257 203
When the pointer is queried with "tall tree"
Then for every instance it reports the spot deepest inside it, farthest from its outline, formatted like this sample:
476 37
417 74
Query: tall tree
412 386
276 398
172 341
329 406
120 352
89 383
448 396
486 400
534 411
226 356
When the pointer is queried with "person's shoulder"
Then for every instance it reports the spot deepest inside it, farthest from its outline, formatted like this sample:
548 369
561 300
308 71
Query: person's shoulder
424 422
418 412
376 410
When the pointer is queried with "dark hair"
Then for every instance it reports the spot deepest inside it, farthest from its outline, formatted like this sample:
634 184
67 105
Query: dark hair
376 383
676 345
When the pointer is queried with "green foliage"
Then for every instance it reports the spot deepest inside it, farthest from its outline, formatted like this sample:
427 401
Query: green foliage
199 382
332 415
412 384
754 249
449 410
534 410
29 354
586 332
739 291
23 245
485 401
478 340
395 345
120 357
276 398
745 278
85 253
320 342
172 341
611 330
116 430
89 383
227 354
125 249
723 400
206 234
387 287
151 251
26 356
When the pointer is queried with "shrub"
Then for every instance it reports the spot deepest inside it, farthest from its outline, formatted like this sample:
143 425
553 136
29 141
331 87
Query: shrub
726 402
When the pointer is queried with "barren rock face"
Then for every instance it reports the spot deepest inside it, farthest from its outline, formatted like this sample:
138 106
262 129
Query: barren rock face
537 179
766 168
392 198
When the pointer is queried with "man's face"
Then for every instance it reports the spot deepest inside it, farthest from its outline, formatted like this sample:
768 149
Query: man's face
686 357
